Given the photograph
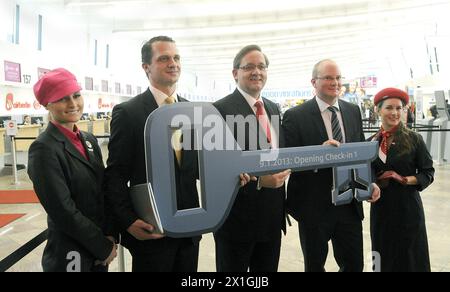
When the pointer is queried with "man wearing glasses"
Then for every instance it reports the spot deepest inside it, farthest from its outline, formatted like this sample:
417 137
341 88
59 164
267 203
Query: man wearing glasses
250 238
329 121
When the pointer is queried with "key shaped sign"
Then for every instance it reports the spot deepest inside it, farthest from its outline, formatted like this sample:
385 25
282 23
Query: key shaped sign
219 168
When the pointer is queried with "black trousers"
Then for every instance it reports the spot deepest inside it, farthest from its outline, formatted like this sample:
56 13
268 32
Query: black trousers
344 228
167 255
247 256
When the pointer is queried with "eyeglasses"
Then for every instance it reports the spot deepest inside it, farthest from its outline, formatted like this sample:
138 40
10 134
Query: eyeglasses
330 79
252 67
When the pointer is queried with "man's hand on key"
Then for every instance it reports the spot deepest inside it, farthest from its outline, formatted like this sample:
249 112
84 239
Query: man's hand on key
246 178
275 181
332 143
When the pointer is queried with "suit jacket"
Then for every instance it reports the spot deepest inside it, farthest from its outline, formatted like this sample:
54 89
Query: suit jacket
126 164
70 190
309 192
255 215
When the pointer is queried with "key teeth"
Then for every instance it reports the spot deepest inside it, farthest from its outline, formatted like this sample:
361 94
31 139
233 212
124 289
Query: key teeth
343 199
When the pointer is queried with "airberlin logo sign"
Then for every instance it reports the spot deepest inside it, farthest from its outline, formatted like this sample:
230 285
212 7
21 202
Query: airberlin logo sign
102 105
11 105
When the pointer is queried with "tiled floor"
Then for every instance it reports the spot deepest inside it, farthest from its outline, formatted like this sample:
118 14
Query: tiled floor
436 201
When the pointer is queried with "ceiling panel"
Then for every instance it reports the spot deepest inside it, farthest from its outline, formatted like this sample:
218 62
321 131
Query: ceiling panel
295 34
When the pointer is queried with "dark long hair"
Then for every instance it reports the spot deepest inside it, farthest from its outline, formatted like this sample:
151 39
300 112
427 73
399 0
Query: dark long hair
404 137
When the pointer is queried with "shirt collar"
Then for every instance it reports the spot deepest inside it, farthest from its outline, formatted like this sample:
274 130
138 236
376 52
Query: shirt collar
160 96
250 99
323 106
74 135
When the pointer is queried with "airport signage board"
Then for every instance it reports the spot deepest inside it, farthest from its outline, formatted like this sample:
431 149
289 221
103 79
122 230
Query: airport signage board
12 72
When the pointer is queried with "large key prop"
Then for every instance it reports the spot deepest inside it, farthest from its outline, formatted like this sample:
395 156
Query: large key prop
219 168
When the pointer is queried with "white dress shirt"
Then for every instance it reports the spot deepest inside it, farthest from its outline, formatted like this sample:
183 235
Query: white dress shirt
160 96
326 116
251 102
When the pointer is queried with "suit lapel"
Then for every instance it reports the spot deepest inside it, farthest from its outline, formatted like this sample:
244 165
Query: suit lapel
241 105
149 102
89 147
68 146
346 119
317 119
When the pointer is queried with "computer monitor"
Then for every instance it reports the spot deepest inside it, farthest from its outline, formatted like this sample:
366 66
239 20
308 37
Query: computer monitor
37 120
3 119
84 117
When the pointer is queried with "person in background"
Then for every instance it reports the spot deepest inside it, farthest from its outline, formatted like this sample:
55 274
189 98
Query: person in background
26 120
66 168
404 168
325 120
434 112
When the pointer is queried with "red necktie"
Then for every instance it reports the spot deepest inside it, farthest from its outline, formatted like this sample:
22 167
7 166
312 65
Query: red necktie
263 120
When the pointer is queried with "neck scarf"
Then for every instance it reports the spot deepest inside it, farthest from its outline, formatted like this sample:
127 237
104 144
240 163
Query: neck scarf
384 145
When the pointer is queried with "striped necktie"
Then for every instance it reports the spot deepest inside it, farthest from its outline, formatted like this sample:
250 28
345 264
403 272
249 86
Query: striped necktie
335 125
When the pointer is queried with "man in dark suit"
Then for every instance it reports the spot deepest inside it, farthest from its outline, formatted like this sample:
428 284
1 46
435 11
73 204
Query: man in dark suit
329 121
126 165
250 238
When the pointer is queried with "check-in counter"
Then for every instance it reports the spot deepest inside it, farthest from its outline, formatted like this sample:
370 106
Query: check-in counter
2 141
31 131
83 126
98 127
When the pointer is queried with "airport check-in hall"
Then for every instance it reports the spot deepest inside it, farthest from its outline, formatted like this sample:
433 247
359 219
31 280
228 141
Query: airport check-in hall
224 136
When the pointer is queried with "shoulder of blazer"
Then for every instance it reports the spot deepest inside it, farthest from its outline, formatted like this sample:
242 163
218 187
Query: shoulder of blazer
348 106
137 101
181 99
227 99
272 106
309 106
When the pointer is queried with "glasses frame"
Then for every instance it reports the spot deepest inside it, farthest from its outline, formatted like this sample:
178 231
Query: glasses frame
252 67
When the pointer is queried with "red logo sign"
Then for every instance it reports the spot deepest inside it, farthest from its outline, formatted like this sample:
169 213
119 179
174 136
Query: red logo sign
10 104
36 105
102 105
9 101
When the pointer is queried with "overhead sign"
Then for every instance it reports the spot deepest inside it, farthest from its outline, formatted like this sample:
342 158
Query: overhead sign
12 72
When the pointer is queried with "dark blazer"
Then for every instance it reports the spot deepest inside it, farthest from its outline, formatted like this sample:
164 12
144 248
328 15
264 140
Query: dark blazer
255 215
309 192
126 164
397 220
70 189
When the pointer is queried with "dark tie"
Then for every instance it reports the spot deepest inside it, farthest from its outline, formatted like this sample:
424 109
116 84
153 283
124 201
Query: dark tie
337 131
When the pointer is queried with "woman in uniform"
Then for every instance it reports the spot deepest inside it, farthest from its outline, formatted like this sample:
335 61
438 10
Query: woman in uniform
404 168
66 168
